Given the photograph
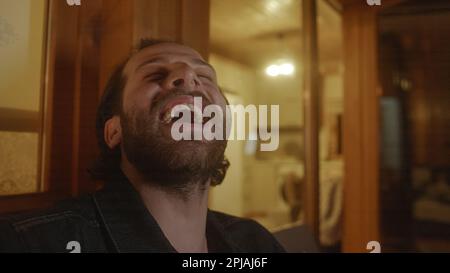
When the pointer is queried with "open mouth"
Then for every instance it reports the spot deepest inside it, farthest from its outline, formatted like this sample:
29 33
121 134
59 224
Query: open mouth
181 106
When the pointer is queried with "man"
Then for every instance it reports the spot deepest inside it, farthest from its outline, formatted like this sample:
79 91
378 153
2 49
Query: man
156 192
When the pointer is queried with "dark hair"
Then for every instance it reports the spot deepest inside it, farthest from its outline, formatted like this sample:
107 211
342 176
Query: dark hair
107 164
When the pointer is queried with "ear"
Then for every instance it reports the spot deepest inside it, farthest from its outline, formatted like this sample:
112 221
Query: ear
113 132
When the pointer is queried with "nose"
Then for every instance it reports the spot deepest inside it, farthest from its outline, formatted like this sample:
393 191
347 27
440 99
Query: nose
182 76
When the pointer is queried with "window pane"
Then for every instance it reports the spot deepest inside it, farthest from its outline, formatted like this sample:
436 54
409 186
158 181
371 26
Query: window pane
22 40
18 172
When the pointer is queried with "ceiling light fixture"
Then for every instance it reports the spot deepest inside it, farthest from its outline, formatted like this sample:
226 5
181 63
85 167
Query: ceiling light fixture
284 69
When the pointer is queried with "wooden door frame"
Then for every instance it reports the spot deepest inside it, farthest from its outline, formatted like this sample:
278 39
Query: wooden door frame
362 89
311 115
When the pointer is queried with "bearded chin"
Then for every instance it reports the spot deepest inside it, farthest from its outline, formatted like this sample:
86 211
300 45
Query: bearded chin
174 166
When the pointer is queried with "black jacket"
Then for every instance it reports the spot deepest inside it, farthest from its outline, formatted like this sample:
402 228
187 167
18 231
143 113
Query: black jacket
116 220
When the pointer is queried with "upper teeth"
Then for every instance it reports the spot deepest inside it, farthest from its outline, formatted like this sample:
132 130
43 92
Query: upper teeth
180 108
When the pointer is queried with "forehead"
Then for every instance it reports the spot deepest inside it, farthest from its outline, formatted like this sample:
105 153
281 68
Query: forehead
169 52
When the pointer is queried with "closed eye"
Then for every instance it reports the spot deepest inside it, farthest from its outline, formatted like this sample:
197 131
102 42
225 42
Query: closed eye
205 77
156 76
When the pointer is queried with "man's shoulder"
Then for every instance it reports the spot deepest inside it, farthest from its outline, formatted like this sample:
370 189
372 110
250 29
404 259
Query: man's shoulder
75 209
48 229
247 234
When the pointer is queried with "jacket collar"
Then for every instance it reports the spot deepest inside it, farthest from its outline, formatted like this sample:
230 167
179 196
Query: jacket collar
131 228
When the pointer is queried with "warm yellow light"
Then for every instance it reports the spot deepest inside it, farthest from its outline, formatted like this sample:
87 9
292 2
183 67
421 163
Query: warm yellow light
273 70
284 69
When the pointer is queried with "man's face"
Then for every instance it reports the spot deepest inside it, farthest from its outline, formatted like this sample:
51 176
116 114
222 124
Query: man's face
159 78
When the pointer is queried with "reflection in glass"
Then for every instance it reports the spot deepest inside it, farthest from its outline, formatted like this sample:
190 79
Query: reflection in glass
414 68
256 50
331 77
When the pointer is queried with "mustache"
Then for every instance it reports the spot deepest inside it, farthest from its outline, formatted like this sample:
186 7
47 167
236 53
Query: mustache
161 98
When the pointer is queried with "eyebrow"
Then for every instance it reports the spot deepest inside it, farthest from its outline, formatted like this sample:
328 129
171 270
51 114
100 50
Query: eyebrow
161 59
201 62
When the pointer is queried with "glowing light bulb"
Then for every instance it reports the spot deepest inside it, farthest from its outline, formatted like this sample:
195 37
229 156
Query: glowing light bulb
285 69
273 70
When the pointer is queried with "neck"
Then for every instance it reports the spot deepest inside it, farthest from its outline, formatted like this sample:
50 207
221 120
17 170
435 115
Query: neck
181 218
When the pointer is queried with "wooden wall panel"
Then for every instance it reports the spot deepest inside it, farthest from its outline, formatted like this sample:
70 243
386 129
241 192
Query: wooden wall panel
361 149
84 146
195 25
64 32
116 36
